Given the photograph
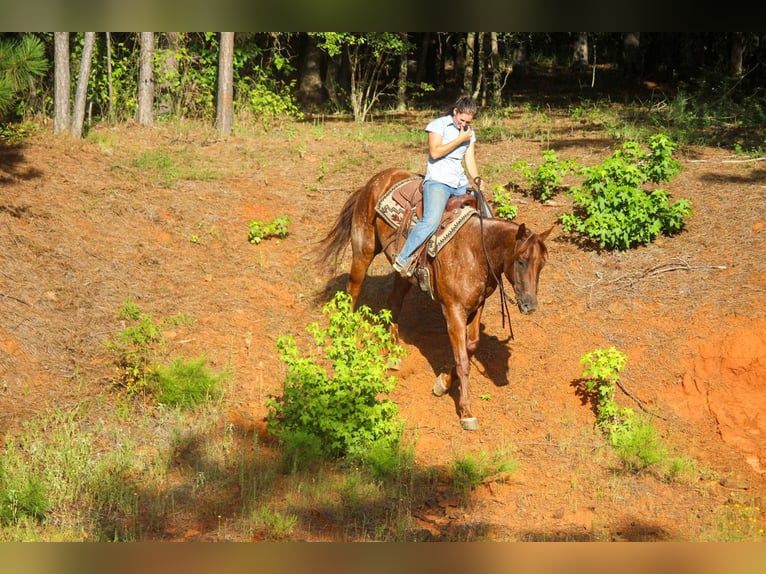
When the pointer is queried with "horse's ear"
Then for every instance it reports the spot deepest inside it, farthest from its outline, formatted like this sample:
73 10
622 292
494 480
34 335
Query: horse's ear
521 232
544 235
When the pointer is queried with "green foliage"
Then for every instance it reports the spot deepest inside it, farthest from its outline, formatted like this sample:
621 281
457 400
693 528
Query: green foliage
276 525
615 211
185 384
275 228
634 440
504 207
20 62
21 494
136 347
331 406
637 444
369 55
470 471
267 99
545 179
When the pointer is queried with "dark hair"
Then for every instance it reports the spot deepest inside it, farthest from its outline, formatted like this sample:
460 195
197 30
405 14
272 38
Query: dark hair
465 105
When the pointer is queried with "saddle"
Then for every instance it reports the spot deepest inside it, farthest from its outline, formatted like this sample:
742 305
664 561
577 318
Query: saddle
402 205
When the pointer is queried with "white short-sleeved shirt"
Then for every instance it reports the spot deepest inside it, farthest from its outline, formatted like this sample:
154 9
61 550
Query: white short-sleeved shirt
448 169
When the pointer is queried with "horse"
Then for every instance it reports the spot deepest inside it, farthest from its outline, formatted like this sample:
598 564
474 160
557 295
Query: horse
463 274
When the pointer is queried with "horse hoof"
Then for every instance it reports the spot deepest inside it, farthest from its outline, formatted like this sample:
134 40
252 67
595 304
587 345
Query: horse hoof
470 423
439 387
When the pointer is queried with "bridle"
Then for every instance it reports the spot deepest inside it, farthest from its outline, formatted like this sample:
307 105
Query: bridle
499 280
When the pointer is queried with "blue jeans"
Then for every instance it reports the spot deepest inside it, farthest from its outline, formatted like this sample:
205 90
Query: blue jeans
435 196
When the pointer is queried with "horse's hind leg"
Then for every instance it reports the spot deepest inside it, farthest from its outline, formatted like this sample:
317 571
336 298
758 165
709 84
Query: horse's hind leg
363 252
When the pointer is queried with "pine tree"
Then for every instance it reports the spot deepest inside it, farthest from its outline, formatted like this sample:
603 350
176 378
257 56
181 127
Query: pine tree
20 61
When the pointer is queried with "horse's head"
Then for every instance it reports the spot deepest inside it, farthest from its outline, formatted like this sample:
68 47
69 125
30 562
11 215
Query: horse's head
529 256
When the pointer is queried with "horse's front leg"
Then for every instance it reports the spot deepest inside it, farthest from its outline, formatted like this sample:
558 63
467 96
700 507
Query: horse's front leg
458 336
395 302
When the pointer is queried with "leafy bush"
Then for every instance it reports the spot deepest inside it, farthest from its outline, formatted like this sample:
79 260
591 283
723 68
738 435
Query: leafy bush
545 179
135 347
330 406
260 230
634 440
504 207
615 211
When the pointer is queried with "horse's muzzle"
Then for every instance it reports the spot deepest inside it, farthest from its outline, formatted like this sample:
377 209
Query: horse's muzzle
527 306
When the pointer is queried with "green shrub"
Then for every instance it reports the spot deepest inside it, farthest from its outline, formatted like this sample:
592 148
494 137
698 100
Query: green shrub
136 347
614 210
469 471
185 384
331 398
260 230
504 207
633 439
545 180
22 494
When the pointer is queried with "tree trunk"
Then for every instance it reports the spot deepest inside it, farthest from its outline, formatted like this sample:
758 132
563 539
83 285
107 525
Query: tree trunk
495 81
580 50
470 42
480 87
109 86
631 53
422 58
78 116
225 106
401 88
62 87
310 88
146 80
168 97
736 54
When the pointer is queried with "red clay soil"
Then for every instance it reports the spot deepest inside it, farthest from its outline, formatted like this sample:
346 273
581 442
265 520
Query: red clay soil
82 227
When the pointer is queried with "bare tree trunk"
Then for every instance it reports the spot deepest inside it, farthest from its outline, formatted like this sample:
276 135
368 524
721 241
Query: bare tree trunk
480 90
401 88
423 56
110 87
497 85
62 87
78 116
736 54
470 42
225 106
580 50
631 53
146 80
310 84
167 94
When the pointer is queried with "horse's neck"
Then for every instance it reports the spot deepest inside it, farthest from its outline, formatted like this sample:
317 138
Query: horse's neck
500 240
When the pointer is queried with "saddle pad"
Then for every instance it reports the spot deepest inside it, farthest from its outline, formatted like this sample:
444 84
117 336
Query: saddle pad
390 210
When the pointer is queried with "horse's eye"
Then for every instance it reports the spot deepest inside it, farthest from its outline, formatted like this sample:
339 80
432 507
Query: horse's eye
521 262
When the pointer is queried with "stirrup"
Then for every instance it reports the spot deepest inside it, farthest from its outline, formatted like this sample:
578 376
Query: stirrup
424 279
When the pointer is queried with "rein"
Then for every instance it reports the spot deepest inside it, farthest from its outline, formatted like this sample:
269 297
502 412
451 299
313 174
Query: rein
503 297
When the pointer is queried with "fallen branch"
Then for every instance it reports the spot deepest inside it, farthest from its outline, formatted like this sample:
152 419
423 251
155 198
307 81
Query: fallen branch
639 402
6 296
681 265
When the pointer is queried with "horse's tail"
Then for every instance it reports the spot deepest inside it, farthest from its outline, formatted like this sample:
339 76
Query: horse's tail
339 236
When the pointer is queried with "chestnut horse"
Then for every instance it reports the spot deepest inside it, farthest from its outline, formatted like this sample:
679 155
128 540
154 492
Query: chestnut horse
464 273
